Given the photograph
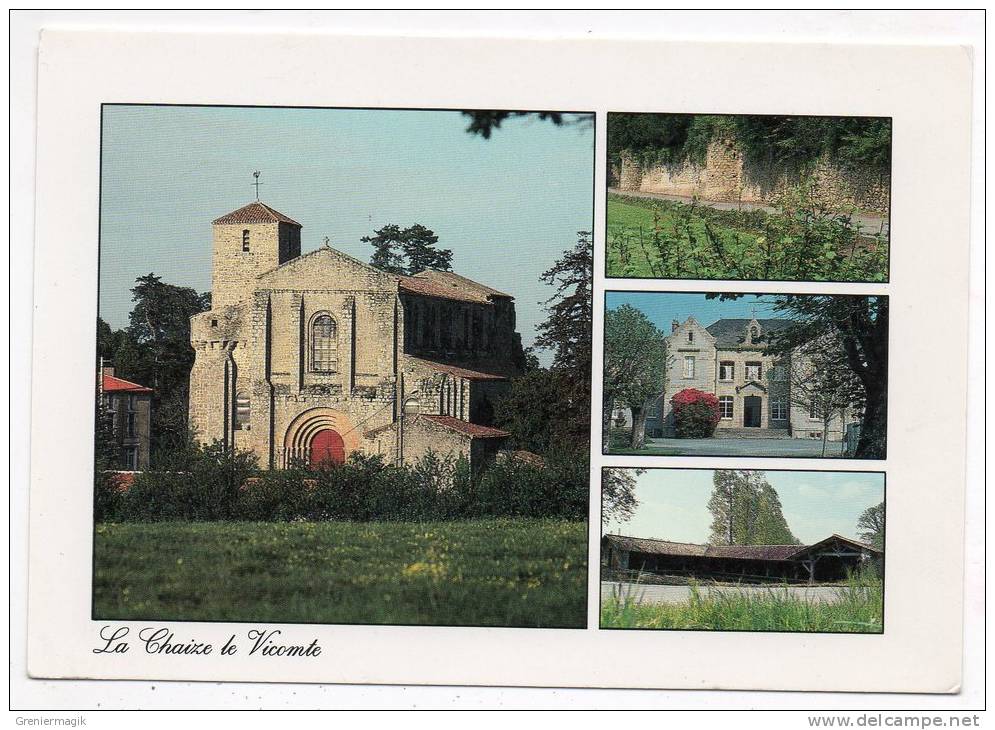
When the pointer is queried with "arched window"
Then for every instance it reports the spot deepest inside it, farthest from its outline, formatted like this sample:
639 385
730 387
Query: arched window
243 410
245 240
324 344
754 334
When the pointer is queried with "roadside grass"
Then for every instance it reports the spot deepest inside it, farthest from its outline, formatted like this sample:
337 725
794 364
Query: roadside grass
858 608
493 572
649 238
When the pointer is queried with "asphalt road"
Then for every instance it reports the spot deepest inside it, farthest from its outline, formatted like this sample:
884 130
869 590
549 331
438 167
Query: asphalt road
645 593
809 448
869 224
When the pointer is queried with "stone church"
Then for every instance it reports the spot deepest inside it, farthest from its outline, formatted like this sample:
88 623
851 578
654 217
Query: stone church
729 358
310 358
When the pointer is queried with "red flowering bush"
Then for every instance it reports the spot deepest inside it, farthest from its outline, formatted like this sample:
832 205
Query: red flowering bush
696 413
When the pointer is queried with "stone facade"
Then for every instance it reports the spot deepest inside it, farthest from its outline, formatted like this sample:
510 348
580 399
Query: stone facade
725 177
130 407
322 349
729 358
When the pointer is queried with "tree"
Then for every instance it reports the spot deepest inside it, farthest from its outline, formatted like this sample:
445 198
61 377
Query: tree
550 408
859 324
567 327
108 340
618 494
746 510
791 142
155 351
870 526
821 385
530 410
634 367
407 251
485 122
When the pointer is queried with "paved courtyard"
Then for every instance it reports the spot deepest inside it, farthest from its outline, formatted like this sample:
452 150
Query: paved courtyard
645 593
810 448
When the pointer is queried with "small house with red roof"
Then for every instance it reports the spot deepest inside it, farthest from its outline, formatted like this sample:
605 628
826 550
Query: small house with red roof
307 358
130 407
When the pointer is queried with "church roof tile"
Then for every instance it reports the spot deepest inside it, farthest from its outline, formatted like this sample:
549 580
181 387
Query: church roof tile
256 212
447 285
474 430
456 370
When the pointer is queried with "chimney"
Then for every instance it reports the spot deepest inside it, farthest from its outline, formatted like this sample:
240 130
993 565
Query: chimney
674 324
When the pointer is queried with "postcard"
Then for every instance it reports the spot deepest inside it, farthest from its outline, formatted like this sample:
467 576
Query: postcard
504 362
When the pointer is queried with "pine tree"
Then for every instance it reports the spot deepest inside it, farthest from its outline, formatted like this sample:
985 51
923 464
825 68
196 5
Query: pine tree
407 251
746 510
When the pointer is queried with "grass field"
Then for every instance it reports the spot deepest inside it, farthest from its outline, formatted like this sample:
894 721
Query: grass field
499 572
859 609
669 239
631 251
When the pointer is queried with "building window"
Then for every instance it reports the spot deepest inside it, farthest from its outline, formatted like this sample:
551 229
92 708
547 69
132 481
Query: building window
245 240
690 337
324 345
689 366
131 458
132 403
753 371
727 370
132 430
243 411
754 334
814 411
778 410
779 373
725 406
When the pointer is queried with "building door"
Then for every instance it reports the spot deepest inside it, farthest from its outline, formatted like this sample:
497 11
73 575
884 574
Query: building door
751 411
327 448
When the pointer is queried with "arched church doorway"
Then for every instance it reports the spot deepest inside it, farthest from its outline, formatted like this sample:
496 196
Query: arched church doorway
327 448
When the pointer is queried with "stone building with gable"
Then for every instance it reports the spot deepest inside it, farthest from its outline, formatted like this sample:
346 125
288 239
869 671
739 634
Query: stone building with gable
730 359
309 358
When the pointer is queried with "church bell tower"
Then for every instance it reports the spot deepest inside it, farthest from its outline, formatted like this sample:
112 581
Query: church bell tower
248 242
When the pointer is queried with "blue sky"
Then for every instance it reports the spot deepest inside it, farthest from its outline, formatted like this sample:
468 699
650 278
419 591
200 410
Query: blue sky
662 308
507 206
673 503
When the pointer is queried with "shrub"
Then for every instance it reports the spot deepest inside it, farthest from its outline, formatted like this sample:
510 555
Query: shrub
212 484
107 496
204 484
696 413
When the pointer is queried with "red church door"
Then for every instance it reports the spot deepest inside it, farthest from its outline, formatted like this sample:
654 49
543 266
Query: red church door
327 448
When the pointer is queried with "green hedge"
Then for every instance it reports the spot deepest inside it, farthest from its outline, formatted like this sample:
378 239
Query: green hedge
214 485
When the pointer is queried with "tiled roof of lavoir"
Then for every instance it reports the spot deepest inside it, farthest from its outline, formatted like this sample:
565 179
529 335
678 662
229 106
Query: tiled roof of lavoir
740 552
111 384
652 546
470 429
255 213
732 332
